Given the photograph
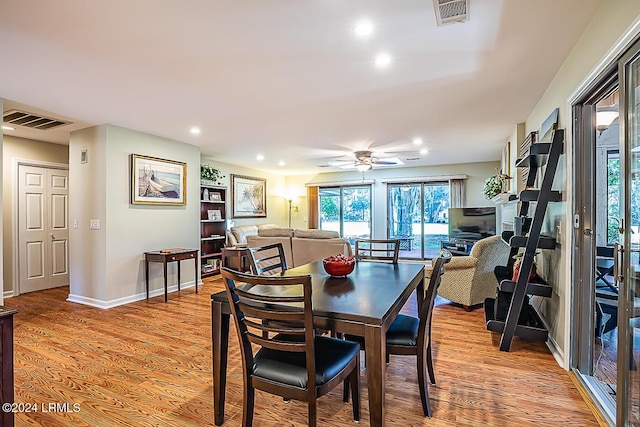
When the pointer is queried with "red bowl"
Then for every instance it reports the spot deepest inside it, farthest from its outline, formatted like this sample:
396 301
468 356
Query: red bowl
338 268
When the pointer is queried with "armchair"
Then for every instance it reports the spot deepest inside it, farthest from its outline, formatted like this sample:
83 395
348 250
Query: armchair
468 280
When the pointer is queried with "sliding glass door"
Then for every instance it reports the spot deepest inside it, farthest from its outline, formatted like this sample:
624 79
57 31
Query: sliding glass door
346 210
417 216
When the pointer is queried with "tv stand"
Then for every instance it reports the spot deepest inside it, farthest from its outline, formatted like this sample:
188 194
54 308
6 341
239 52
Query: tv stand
457 247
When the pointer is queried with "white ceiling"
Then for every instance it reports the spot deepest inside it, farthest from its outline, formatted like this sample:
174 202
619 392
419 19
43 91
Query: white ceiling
287 78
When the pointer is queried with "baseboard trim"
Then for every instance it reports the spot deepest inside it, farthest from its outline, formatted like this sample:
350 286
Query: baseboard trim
7 294
79 299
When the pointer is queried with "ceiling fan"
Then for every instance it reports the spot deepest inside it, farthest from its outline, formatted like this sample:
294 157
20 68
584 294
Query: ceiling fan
364 161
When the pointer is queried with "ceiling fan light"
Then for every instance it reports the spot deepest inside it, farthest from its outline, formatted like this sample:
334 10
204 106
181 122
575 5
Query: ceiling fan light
363 167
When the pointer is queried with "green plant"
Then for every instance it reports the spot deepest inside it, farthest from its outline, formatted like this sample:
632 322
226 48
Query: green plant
494 185
209 173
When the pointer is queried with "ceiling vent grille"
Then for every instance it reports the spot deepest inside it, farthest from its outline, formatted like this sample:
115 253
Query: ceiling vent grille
449 11
31 120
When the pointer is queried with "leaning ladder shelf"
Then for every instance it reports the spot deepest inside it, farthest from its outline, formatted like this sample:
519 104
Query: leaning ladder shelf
527 235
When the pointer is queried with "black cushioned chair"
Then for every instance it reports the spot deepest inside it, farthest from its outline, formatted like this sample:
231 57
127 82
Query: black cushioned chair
268 260
291 361
409 335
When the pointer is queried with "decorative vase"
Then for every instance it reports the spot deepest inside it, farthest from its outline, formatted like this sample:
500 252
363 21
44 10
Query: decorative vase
205 194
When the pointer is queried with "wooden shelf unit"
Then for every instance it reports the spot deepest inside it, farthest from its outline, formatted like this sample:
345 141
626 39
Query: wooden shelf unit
212 231
527 235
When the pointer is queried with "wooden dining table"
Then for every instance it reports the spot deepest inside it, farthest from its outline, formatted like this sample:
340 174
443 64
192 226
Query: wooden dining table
364 303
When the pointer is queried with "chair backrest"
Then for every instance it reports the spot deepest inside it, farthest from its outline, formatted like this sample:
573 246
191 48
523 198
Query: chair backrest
268 260
377 250
267 309
426 309
604 251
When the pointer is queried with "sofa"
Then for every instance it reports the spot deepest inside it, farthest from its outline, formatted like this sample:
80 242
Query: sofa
237 236
301 246
468 280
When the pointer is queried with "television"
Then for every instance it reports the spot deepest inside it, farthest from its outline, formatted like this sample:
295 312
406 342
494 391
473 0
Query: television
472 223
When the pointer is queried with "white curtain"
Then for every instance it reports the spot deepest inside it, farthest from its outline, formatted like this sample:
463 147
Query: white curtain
456 193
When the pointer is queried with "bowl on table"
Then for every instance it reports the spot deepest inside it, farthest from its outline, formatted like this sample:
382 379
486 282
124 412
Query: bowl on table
339 265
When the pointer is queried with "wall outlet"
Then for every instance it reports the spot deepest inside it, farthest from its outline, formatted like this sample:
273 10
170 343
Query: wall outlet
94 224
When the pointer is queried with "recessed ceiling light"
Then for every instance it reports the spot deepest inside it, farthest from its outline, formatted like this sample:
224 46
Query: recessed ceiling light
259 157
382 60
7 128
195 130
281 163
417 141
363 28
424 151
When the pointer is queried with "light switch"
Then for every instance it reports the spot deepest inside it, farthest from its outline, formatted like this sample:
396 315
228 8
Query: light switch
94 224
75 223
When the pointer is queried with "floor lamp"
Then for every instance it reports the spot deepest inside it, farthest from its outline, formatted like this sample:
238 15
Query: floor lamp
290 208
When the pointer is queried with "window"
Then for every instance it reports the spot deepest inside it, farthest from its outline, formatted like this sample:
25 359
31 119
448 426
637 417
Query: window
417 215
346 210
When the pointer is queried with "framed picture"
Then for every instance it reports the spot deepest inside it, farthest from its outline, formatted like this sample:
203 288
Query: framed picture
215 197
157 181
249 197
214 215
506 166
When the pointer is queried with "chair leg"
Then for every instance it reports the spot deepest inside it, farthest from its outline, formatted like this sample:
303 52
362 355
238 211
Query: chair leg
354 379
345 390
432 374
313 413
247 406
422 383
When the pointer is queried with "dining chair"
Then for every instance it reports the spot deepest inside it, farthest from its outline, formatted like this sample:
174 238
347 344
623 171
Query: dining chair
377 250
293 362
409 335
267 260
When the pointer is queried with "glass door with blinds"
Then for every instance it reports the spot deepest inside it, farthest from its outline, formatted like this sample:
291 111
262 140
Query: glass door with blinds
346 210
418 217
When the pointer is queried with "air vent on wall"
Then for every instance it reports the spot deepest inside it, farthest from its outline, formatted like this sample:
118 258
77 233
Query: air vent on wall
31 120
449 11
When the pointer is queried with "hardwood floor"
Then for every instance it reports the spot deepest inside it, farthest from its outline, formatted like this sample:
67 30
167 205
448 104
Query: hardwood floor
149 364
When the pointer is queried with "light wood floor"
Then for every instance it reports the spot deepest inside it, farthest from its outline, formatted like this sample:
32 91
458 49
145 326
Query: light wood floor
149 364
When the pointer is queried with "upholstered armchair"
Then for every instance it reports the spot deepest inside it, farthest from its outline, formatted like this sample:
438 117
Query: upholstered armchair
468 280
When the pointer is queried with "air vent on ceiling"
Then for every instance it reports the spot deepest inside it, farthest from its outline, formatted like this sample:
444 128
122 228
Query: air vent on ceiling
31 120
449 11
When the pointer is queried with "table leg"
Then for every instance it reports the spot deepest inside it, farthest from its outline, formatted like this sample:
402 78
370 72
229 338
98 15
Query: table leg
375 353
179 262
165 281
195 261
220 342
146 276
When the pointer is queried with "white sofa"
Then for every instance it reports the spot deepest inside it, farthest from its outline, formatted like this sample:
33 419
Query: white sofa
301 246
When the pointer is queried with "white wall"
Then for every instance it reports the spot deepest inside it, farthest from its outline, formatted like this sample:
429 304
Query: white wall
613 20
1 210
277 207
476 172
14 150
107 267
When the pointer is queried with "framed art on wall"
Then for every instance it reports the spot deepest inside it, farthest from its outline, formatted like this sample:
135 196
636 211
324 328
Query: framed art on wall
156 181
248 195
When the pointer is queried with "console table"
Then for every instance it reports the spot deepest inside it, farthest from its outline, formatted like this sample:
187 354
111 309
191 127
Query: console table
457 247
170 255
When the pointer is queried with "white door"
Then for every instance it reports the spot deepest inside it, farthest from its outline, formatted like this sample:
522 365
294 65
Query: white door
43 228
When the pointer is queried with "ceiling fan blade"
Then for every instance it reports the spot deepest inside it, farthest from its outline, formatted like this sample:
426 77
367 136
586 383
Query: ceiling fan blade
387 161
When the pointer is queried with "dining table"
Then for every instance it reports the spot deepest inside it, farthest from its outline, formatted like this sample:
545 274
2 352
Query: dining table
363 303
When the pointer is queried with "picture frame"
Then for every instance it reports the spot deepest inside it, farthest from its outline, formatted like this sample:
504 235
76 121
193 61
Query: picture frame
249 197
506 166
215 197
214 215
156 181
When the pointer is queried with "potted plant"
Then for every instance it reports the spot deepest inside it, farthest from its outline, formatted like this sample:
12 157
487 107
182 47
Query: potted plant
210 175
494 185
